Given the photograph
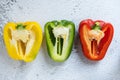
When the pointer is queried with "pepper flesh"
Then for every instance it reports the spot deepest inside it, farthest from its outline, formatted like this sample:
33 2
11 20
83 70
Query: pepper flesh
22 40
59 39
95 37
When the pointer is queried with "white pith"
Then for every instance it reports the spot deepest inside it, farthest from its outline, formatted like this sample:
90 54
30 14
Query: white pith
62 32
95 34
22 40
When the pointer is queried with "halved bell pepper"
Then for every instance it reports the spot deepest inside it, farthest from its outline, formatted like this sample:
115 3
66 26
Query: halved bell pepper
22 40
59 39
95 37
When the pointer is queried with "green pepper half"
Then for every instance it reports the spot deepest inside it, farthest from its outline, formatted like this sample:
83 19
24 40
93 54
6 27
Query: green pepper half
59 39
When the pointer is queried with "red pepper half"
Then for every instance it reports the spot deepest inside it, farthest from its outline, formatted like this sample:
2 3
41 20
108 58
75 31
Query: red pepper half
95 37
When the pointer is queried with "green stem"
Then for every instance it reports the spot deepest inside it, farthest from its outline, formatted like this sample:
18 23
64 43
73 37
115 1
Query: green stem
96 26
20 26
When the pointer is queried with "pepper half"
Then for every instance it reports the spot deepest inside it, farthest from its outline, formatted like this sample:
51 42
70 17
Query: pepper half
59 39
22 40
95 37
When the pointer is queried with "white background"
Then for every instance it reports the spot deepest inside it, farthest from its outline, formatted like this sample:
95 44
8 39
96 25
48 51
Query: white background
77 67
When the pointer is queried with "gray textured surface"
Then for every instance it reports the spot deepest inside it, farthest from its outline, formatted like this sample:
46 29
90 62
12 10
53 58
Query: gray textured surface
77 67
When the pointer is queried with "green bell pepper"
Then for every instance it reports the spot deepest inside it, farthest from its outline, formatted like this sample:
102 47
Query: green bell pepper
59 39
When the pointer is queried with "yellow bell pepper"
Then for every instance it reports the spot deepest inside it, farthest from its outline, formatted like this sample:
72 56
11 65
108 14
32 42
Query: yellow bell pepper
22 40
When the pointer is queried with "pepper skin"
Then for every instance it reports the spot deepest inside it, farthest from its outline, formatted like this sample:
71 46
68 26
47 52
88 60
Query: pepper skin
59 39
22 40
95 37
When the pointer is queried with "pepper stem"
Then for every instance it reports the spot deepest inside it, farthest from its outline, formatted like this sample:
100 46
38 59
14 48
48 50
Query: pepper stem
96 26
20 26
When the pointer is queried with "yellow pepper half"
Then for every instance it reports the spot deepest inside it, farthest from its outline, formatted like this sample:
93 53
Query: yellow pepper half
22 40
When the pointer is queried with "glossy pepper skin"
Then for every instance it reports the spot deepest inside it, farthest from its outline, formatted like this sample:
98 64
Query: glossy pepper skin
59 39
95 37
22 40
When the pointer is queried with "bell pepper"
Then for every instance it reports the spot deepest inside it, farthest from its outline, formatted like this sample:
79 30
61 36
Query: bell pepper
95 37
22 40
59 39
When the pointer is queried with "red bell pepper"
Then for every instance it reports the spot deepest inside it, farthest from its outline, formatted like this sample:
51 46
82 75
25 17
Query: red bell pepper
95 37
